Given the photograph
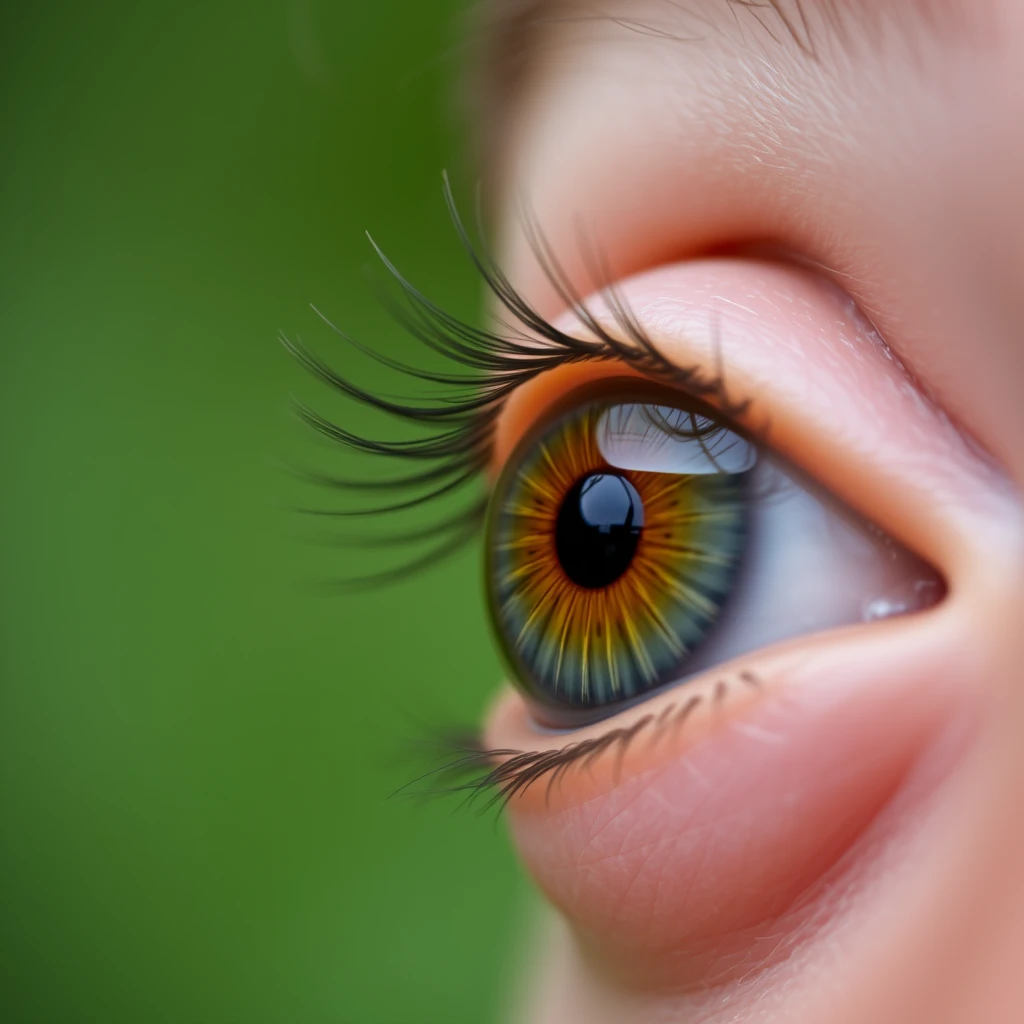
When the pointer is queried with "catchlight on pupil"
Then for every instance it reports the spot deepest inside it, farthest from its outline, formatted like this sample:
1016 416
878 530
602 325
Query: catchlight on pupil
614 540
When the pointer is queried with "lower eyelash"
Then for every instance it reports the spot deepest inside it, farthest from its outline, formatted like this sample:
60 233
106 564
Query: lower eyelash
488 779
461 418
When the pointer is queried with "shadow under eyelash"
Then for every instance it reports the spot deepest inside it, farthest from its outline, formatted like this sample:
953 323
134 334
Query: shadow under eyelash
488 778
460 420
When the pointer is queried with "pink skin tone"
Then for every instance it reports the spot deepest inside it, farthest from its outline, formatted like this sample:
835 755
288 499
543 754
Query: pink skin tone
844 841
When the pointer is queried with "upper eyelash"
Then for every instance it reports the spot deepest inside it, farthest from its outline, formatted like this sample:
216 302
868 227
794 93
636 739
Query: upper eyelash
465 412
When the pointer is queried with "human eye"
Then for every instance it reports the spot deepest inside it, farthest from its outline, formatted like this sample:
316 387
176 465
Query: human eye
635 539
659 521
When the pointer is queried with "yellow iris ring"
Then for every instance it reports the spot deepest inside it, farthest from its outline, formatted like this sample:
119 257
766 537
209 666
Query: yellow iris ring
574 646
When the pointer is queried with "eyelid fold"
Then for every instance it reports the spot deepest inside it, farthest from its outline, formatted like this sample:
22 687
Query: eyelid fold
815 382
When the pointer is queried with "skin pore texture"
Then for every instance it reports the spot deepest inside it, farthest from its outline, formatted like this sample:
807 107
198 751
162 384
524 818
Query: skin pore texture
828 830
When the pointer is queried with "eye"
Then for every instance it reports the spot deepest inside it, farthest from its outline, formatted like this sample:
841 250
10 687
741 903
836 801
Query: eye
637 537
634 540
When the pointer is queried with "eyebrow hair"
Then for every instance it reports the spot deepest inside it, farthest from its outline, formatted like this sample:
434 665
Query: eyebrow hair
506 36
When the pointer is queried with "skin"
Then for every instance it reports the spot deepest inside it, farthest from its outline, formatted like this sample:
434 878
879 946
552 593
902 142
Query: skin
843 841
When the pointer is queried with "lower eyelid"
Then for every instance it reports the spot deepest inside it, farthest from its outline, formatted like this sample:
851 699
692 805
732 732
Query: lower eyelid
641 734
665 726
688 839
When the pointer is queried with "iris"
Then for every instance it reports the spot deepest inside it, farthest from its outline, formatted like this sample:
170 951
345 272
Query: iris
614 539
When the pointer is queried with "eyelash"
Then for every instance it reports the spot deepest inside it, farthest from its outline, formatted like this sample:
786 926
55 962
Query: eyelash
464 415
495 776
460 449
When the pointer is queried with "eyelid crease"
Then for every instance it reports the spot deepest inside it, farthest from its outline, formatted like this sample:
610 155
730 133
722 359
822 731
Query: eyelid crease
462 419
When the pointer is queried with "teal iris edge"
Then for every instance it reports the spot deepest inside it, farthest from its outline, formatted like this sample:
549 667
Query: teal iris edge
585 683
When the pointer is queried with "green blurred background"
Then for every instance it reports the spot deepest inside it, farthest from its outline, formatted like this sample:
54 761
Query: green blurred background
197 747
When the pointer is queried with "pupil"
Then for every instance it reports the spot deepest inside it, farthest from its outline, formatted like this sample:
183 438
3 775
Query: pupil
598 528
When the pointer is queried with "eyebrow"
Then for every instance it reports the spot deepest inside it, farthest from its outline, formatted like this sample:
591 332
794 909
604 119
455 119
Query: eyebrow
507 35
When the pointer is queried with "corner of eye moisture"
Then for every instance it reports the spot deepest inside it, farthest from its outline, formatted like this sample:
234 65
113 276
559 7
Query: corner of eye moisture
702 839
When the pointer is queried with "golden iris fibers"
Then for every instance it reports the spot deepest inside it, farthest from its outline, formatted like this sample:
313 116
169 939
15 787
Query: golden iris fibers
614 538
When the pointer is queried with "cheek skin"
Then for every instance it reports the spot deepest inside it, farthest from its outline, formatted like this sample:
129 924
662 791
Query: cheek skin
703 857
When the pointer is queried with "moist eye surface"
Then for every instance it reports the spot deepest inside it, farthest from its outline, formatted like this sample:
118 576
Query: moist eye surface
598 529
631 545
603 578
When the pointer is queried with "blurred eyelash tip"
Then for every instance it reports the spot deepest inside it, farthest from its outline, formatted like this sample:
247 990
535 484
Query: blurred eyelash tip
459 765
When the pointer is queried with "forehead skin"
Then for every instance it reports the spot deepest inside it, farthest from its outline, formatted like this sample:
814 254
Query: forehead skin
874 139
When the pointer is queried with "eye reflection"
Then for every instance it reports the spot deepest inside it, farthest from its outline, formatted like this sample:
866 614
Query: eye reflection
598 529
659 439
632 544
604 578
